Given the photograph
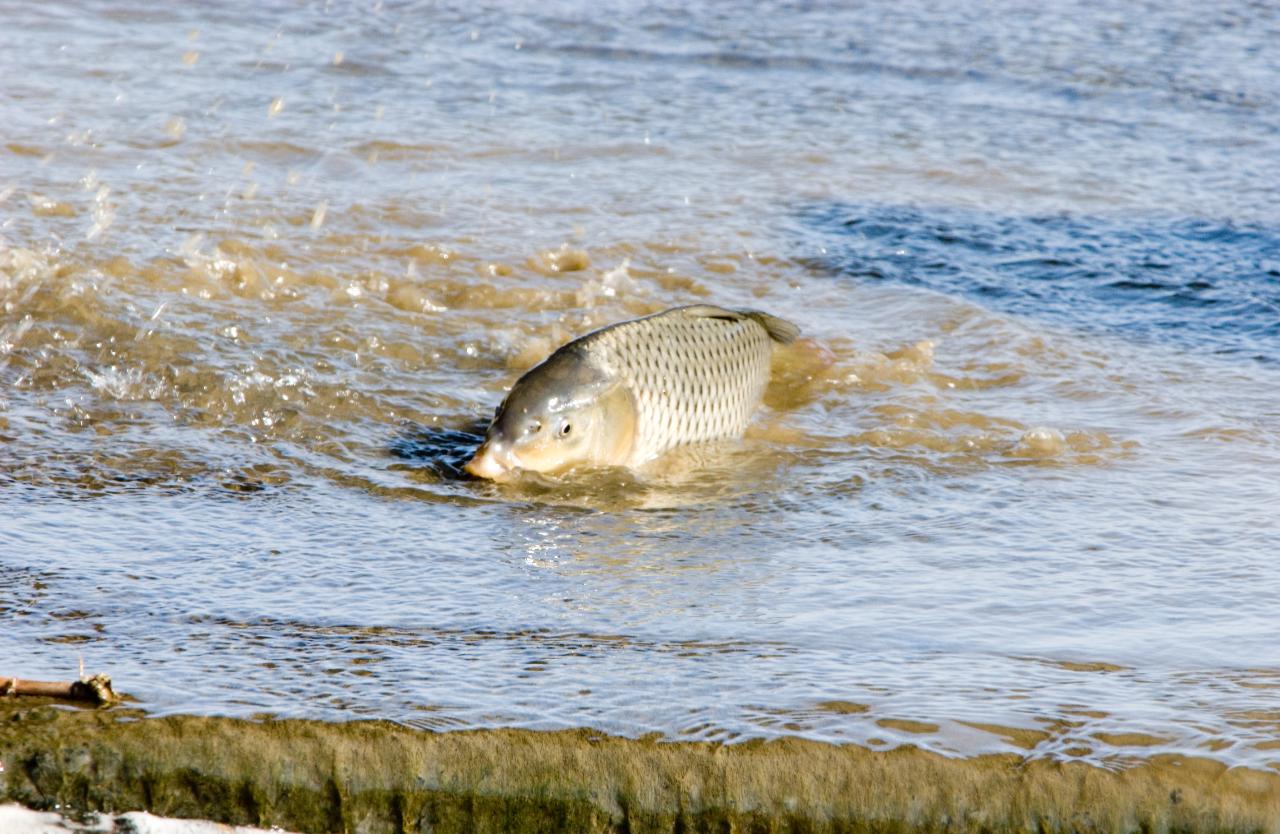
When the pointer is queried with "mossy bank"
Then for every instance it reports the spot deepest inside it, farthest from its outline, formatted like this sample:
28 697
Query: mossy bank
374 777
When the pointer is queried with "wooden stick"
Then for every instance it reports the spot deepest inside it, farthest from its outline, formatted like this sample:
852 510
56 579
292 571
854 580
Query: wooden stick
95 689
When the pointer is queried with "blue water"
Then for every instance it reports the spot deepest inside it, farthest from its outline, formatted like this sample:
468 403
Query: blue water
1211 286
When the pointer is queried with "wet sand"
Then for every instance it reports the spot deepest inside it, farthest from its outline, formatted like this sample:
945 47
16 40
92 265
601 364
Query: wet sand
376 777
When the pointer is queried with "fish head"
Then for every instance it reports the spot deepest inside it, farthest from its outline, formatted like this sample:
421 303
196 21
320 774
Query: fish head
562 413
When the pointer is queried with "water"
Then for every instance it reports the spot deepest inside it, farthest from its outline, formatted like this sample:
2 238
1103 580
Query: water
1135 276
265 271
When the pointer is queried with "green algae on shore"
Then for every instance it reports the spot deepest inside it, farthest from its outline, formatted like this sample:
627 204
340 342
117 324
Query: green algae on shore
375 777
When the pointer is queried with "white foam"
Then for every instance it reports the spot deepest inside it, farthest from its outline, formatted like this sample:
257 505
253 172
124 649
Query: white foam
15 819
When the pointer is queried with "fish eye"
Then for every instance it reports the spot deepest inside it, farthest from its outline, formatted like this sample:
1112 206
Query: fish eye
565 429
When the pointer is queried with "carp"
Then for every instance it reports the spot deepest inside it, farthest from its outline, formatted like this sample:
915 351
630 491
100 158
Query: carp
624 394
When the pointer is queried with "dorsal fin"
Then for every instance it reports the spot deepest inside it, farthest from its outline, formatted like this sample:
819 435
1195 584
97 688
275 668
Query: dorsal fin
708 311
780 330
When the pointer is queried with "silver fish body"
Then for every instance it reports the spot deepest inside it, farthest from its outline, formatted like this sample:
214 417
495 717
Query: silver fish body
626 393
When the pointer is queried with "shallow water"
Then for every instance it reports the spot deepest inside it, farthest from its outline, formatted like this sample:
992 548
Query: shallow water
266 271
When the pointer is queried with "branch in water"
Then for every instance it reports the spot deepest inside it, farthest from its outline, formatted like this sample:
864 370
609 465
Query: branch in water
95 689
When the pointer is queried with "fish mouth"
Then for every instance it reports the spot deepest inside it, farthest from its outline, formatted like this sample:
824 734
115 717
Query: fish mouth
493 461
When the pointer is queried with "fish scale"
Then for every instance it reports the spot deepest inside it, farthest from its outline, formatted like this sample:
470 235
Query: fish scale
694 376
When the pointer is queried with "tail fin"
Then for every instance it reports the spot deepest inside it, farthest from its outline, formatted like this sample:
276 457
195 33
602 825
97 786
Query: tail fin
780 330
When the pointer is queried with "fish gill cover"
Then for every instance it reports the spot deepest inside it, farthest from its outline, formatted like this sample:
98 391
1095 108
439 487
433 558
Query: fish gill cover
1201 284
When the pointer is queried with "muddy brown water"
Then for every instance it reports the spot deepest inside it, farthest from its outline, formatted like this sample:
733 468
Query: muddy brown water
265 271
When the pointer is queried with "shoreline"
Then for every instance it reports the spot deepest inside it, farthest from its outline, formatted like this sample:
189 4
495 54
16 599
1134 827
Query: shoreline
373 777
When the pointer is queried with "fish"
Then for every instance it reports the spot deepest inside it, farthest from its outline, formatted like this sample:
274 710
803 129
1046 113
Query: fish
627 393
